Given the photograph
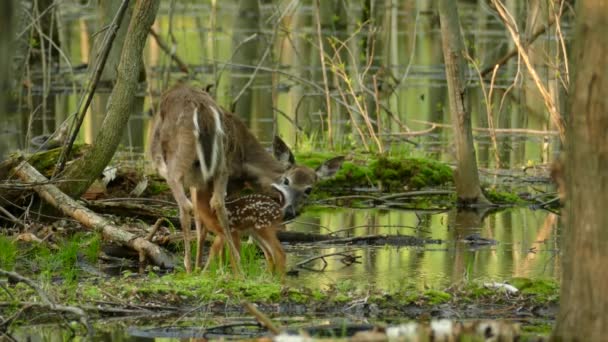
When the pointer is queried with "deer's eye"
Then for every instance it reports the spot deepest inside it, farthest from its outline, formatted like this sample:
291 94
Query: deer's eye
308 190
286 181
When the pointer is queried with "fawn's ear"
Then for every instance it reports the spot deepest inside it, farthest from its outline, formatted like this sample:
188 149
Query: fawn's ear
329 167
282 152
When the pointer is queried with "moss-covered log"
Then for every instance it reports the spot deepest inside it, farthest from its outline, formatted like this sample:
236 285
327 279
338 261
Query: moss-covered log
89 219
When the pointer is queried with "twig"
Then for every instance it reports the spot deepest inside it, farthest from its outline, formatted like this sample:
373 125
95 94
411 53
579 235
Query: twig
11 217
85 101
511 27
155 228
260 317
324 72
47 302
504 59
171 52
497 130
322 257
416 193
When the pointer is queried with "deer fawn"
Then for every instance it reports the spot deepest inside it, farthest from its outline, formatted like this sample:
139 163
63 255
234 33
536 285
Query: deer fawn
197 145
262 217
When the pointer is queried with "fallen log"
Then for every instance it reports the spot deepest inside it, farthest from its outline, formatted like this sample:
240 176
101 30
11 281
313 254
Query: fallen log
88 218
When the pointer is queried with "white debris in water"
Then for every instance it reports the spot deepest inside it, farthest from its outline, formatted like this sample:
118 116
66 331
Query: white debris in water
442 328
406 330
502 286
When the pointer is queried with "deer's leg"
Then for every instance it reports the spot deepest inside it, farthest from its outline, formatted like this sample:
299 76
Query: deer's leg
185 219
201 204
215 250
219 207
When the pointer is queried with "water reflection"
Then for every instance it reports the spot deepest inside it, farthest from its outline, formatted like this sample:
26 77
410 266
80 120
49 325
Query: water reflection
527 247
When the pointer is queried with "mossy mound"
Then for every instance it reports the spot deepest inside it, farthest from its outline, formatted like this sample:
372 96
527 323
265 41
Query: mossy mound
388 174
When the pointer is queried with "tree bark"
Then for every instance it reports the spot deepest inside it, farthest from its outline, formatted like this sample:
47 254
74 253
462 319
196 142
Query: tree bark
6 49
84 171
69 207
466 176
583 311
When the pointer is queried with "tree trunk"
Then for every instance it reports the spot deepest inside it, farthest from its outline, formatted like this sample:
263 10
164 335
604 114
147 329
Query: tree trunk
85 170
6 44
106 11
466 176
583 311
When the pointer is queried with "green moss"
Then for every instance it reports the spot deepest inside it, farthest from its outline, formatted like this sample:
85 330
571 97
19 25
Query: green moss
543 290
538 328
391 174
8 253
45 161
502 197
435 297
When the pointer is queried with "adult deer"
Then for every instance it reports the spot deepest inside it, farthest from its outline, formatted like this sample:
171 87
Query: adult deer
197 145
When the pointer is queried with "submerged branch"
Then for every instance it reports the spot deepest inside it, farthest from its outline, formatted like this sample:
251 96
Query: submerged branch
46 302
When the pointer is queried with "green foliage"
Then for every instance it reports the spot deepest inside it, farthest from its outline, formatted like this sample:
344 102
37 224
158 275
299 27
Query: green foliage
8 253
435 297
92 248
502 197
156 186
392 174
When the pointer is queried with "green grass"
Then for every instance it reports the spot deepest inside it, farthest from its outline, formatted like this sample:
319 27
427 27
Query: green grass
8 253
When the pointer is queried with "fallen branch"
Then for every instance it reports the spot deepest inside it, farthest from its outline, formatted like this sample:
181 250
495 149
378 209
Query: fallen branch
88 218
260 317
46 302
345 255
393 240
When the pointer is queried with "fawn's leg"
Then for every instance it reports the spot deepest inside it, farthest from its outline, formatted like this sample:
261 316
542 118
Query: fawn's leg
265 246
269 236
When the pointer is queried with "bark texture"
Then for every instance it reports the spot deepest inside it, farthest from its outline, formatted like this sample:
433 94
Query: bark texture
466 176
6 49
584 306
84 171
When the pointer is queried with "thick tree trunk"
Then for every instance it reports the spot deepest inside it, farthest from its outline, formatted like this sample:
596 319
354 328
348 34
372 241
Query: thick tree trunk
583 312
84 171
466 176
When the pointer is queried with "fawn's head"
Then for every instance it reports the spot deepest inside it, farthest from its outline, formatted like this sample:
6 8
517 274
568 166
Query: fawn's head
297 181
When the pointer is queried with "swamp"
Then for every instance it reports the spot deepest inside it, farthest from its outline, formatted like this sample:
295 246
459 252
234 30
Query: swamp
455 154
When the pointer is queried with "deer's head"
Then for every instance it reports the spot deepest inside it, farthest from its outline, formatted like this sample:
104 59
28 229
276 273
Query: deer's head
297 182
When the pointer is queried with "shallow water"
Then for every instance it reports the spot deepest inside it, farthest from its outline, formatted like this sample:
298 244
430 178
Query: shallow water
526 246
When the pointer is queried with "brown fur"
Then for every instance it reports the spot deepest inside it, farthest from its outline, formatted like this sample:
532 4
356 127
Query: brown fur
260 216
178 135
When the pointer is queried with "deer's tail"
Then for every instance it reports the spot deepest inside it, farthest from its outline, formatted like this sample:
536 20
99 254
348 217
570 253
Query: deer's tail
209 139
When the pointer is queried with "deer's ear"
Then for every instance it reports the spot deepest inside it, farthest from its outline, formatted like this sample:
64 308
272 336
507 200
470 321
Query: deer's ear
329 167
282 152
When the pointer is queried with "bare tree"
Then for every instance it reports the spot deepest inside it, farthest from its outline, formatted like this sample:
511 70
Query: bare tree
583 314
84 171
466 176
